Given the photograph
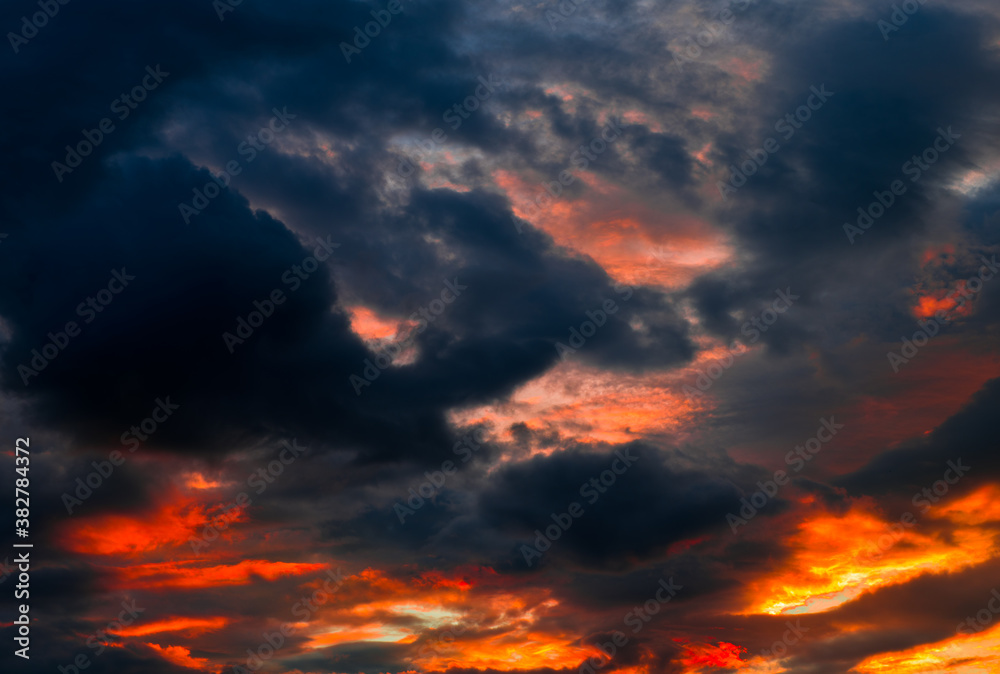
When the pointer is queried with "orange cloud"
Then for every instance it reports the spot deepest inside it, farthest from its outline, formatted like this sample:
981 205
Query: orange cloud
130 535
928 305
696 656
189 625
370 326
980 507
516 647
194 575
634 242
588 404
838 557
198 481
181 656
975 654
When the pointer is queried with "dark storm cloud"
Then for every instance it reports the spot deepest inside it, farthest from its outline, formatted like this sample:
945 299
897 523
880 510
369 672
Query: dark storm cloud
970 435
983 215
982 212
663 498
649 506
523 290
824 354
355 658
217 82
666 155
161 337
887 105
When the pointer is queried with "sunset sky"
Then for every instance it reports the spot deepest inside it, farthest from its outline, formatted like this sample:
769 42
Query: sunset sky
537 337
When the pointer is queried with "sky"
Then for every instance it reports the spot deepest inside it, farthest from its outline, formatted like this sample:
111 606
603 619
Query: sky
536 337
